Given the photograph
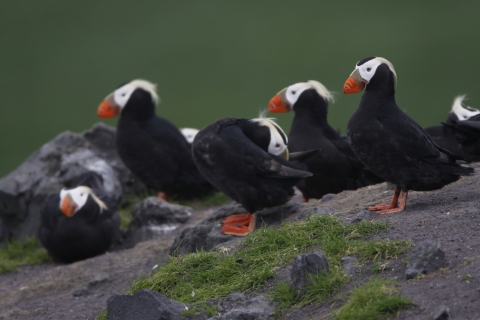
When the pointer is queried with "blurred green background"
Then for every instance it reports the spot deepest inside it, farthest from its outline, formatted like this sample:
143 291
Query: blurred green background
59 59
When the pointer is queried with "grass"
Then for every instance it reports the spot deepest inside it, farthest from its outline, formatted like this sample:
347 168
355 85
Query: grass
376 299
18 253
212 275
214 199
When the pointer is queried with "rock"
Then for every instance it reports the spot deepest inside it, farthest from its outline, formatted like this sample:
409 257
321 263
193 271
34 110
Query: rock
80 292
154 218
98 278
427 258
236 296
52 167
145 305
313 211
442 313
258 308
362 215
208 233
349 265
202 315
328 196
306 265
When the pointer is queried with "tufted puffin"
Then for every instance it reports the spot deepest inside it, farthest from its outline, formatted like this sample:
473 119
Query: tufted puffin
444 135
79 222
150 146
334 169
247 160
389 142
467 133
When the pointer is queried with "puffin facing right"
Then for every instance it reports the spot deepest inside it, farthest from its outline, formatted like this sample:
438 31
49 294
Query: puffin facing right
247 160
389 142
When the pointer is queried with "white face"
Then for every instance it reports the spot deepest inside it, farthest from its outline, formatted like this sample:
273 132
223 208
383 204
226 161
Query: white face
294 91
463 113
276 146
368 69
122 94
79 196
189 134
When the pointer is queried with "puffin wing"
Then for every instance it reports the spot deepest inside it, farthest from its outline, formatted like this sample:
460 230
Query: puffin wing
273 168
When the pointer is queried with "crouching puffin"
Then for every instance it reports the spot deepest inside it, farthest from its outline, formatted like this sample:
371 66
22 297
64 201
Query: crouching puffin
334 169
445 135
389 142
80 222
467 133
152 147
247 160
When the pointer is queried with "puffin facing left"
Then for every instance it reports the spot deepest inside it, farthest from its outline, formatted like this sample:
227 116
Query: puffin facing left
150 146
247 160
79 222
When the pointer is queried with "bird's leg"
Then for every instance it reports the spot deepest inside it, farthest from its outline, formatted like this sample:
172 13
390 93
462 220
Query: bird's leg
305 200
163 195
401 207
392 205
239 224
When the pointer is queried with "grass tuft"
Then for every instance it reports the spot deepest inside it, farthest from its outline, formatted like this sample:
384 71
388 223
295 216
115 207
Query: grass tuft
214 199
374 300
212 275
17 253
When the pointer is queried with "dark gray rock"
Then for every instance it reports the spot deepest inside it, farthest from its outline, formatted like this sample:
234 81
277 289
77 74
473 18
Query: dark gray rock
145 305
428 257
328 196
51 168
305 266
236 296
258 308
362 215
153 218
208 233
98 278
313 211
80 292
442 313
349 265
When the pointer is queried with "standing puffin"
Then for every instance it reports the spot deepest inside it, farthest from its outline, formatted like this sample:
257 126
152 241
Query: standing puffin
467 133
79 222
444 135
150 146
389 142
247 160
335 168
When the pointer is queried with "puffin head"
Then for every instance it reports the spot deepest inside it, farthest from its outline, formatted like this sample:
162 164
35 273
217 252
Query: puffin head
285 100
461 112
114 103
72 200
269 136
189 134
364 72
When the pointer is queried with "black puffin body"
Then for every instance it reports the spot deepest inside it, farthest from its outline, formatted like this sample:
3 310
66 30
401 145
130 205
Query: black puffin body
467 133
335 168
80 222
152 147
446 137
243 159
389 142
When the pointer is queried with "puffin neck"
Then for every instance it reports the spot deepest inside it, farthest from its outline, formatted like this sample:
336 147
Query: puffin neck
311 108
140 106
383 82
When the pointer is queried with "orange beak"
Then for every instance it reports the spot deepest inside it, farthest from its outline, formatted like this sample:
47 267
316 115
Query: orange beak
68 206
277 105
354 83
108 108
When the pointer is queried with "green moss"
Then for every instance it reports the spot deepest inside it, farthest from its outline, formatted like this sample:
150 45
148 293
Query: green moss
18 253
377 299
211 275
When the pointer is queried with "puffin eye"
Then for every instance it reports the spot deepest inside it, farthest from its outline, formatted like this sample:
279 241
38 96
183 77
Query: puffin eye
293 92
123 94
81 194
369 69
277 146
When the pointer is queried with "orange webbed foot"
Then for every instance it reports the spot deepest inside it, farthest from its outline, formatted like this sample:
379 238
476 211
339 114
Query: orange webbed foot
239 224
163 195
